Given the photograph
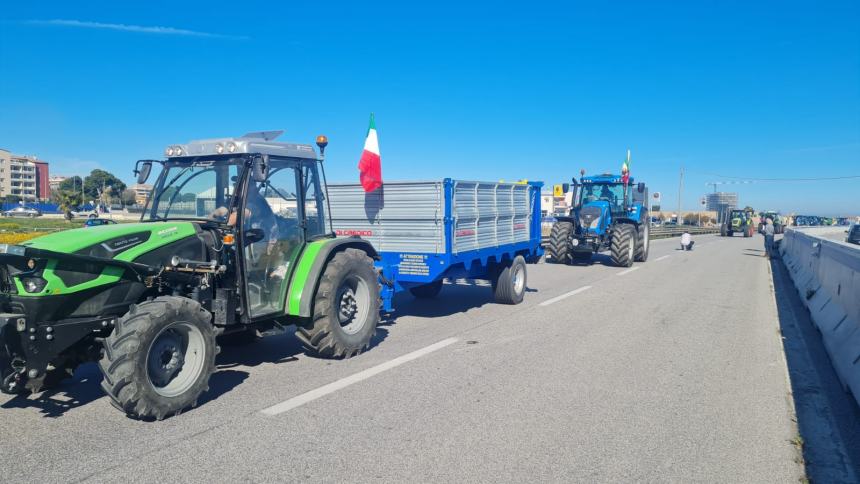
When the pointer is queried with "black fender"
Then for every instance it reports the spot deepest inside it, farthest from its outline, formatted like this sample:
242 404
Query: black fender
306 304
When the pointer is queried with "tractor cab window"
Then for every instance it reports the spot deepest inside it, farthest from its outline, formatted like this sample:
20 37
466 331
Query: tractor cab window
612 193
198 190
314 202
273 236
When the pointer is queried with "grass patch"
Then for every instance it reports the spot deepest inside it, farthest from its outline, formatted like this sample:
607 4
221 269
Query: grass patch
38 224
17 238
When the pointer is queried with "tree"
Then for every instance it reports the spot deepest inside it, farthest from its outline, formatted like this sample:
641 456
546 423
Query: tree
128 197
187 197
72 184
749 209
69 201
100 180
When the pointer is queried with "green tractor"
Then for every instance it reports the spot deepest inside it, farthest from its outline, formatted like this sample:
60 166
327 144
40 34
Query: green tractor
234 242
737 221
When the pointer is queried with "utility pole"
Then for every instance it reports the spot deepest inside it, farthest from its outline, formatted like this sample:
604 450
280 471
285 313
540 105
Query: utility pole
680 193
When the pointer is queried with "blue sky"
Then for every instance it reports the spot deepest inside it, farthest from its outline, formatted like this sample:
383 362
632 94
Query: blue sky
465 90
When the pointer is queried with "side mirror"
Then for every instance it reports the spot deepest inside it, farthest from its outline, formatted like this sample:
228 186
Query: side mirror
565 187
253 236
143 171
260 168
641 187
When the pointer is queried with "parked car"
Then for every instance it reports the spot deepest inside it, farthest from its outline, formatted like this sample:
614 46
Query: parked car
22 211
852 235
95 222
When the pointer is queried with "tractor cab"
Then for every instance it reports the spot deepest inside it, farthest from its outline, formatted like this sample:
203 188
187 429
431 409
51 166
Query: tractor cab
261 198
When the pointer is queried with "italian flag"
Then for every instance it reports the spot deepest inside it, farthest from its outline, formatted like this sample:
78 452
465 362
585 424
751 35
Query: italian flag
370 164
625 169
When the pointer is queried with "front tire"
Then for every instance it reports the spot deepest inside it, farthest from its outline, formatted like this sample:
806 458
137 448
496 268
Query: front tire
623 245
158 360
509 287
559 242
346 307
643 243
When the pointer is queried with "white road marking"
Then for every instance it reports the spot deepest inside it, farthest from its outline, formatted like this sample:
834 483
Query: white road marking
565 295
324 390
628 271
661 258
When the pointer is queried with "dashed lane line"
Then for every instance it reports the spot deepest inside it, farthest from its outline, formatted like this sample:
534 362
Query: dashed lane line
564 296
628 271
661 258
324 390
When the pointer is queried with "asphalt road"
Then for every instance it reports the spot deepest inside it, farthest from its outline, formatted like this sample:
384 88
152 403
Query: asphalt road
673 371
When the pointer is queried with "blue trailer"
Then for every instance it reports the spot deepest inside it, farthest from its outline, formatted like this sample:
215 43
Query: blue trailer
428 231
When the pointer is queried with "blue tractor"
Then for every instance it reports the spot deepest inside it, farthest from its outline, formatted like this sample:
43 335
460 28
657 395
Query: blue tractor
606 215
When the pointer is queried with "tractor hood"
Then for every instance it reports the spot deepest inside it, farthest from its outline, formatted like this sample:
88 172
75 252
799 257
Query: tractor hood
121 241
592 215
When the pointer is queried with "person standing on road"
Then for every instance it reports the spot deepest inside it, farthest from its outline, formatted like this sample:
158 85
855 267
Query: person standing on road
767 231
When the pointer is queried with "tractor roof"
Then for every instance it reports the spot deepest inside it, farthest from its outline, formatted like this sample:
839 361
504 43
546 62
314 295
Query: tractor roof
604 179
256 143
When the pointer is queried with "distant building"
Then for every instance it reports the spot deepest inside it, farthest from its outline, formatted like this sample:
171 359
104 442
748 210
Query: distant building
141 192
721 202
24 176
54 181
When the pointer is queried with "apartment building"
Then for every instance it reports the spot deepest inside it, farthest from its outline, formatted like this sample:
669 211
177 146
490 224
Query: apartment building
24 176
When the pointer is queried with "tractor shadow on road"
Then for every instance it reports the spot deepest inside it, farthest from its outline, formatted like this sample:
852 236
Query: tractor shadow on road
453 299
828 418
84 387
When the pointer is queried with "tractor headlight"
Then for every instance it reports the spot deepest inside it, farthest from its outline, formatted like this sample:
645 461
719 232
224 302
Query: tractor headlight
168 151
231 147
177 151
219 148
33 284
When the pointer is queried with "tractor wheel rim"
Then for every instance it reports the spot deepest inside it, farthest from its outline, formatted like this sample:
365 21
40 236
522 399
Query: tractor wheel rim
630 249
518 278
353 304
175 359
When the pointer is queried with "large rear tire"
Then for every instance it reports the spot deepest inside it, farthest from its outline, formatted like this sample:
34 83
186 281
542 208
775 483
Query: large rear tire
723 231
158 360
559 242
643 242
427 291
509 286
623 245
346 307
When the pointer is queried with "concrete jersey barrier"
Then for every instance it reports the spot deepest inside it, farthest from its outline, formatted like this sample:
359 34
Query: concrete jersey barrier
827 276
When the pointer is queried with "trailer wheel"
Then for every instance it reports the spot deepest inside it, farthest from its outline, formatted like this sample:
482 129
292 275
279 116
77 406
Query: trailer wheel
509 286
623 245
427 291
558 246
346 307
643 242
158 360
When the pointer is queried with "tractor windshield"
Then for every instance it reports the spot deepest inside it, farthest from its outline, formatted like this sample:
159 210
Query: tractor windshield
195 190
609 192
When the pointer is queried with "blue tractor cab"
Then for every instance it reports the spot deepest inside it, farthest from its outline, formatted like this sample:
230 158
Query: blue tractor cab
606 215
